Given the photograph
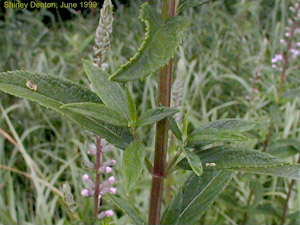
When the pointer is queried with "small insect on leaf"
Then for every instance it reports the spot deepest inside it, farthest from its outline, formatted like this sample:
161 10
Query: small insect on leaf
210 164
30 85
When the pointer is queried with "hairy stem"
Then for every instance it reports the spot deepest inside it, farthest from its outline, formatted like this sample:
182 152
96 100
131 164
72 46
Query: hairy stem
161 141
98 176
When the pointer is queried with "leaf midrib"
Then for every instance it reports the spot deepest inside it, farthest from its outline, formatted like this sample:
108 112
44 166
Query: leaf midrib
194 199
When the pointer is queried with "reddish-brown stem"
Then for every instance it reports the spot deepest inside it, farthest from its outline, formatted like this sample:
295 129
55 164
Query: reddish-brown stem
161 139
98 176
248 203
285 55
158 171
268 138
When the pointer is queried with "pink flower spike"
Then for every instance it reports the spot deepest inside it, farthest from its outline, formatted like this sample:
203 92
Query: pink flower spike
88 181
277 58
111 180
85 193
298 44
105 169
282 41
107 148
86 177
88 164
109 213
92 150
112 190
108 169
295 52
110 163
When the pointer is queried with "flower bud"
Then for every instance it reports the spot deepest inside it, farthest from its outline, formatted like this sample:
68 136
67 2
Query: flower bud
107 213
85 193
112 190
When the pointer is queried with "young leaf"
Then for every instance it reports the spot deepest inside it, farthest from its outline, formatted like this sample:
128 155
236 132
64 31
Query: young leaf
132 166
174 128
52 92
97 111
220 158
161 40
198 194
111 93
132 106
154 115
194 162
128 209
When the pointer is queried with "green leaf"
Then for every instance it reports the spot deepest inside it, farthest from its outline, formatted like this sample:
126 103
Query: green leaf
291 94
173 211
128 209
185 126
234 125
186 4
194 162
282 151
275 114
220 130
111 93
52 92
198 194
174 128
132 166
154 115
97 111
220 158
118 136
284 170
213 135
161 40
132 106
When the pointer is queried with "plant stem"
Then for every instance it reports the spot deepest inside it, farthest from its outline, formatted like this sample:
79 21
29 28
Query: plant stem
161 141
285 56
248 203
268 138
98 176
